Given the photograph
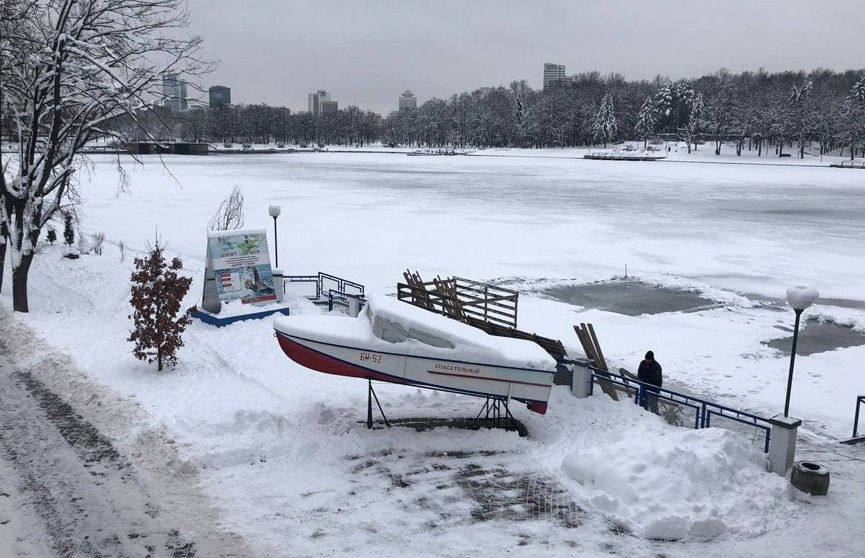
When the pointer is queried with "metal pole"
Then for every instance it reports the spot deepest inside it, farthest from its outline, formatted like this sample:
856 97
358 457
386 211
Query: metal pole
859 400
275 244
369 405
792 360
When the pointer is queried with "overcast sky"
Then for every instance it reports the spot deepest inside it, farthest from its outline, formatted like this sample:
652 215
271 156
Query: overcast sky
366 52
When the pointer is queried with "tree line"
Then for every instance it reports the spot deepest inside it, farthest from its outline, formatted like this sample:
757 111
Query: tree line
803 112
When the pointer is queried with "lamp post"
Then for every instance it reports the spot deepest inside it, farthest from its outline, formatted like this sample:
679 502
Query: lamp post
799 298
274 211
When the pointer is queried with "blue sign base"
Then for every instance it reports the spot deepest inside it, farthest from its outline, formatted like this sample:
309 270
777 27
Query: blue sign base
215 320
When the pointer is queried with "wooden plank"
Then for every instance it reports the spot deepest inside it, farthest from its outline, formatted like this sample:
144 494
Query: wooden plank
598 351
449 302
420 295
590 349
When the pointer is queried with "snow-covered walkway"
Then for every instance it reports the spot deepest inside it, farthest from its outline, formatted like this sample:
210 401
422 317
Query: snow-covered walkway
66 490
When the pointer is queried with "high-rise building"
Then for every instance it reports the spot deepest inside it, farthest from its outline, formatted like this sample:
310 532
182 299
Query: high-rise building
407 100
321 103
174 92
553 73
219 95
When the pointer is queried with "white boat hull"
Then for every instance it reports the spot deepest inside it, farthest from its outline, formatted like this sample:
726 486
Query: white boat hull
530 386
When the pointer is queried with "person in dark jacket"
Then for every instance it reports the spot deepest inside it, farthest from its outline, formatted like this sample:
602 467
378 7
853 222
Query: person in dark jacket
649 372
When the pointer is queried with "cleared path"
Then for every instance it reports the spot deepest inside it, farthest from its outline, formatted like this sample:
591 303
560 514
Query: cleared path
66 491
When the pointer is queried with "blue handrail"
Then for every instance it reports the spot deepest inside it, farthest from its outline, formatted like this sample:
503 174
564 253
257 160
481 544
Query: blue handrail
703 410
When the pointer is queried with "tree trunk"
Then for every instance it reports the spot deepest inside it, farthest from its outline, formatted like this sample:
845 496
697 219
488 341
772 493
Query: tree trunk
3 244
19 284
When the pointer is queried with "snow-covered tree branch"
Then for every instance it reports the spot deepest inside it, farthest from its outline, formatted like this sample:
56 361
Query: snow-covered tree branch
70 70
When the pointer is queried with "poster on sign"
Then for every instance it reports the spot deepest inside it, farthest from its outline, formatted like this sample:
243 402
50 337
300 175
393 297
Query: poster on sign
238 266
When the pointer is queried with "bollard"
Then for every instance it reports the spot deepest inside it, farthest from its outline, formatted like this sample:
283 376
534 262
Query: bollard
278 284
580 380
210 299
782 443
354 305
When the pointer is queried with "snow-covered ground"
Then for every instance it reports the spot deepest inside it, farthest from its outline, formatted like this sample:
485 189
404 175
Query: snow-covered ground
282 450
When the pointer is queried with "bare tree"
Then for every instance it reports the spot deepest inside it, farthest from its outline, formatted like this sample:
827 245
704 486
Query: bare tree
803 115
229 216
71 69
852 112
97 239
692 129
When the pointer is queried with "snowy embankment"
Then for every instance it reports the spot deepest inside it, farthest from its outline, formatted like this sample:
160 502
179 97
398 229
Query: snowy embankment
678 152
283 451
274 442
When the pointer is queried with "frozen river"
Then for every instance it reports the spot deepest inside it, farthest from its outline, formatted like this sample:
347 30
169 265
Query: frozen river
755 228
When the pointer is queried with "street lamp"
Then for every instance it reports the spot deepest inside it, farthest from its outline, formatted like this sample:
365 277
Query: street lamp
799 298
274 211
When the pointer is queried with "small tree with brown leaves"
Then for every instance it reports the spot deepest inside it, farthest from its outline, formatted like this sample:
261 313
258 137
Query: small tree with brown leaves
157 292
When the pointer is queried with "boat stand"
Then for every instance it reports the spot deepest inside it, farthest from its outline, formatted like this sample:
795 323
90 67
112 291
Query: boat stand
496 412
370 396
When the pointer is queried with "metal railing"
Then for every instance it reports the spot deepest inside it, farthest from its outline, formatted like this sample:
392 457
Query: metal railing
680 409
343 299
324 283
859 401
308 279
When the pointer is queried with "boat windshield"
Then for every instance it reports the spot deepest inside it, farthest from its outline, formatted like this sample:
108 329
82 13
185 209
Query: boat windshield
395 332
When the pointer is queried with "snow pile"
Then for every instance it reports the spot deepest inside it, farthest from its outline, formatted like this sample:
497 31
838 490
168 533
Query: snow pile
677 484
236 308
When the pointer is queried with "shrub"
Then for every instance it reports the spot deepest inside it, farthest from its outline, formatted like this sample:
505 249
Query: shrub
68 230
97 239
52 236
84 245
157 292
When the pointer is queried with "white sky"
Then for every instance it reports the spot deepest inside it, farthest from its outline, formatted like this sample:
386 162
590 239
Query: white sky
367 53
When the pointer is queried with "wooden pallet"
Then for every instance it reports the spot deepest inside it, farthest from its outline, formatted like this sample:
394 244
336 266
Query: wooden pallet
486 307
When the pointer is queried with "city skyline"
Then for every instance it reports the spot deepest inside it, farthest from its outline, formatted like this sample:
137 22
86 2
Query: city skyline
276 52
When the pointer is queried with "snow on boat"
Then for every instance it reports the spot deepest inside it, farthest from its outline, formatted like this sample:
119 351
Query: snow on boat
392 341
